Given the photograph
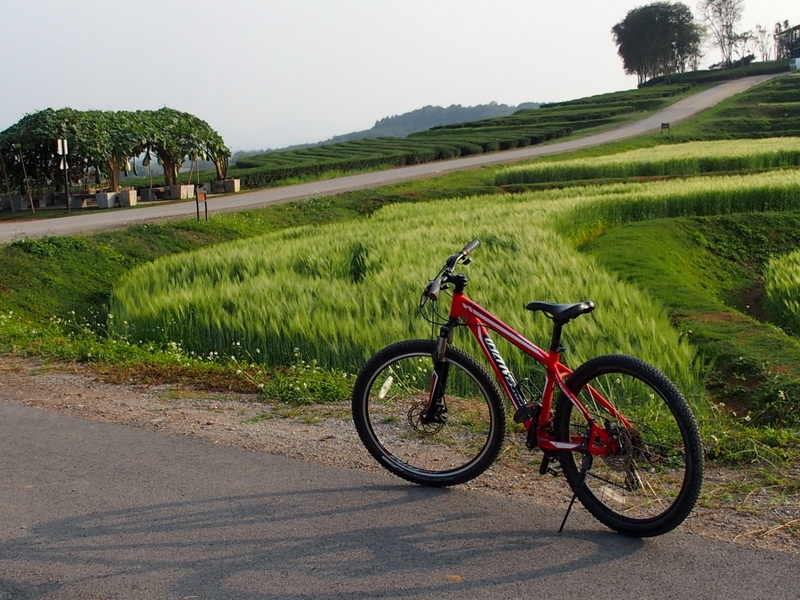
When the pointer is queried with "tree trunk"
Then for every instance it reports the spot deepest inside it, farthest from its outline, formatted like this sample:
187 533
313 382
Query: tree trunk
221 166
170 170
113 174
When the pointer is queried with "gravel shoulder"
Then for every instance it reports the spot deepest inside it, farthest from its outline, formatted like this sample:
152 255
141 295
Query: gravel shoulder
758 518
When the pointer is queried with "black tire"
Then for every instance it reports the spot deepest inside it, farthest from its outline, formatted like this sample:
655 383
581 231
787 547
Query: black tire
650 485
387 397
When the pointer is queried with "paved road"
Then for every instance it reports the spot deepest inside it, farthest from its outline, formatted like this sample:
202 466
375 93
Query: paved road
77 223
92 510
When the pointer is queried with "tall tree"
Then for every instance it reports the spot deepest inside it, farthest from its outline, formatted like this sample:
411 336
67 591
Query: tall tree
722 18
762 39
658 39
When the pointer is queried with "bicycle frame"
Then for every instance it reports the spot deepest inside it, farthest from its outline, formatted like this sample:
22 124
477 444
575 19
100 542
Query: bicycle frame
597 441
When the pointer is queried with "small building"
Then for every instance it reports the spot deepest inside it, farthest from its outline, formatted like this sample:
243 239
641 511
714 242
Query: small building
788 42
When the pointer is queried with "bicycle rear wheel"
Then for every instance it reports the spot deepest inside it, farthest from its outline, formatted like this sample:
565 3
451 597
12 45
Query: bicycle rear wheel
391 396
648 484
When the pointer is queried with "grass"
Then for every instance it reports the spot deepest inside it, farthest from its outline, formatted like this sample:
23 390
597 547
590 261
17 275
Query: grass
782 290
704 269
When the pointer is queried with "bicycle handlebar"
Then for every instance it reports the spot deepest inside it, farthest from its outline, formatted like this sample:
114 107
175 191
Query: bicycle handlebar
432 289
470 247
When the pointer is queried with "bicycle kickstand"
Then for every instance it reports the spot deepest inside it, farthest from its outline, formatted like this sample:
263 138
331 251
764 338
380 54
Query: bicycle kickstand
586 464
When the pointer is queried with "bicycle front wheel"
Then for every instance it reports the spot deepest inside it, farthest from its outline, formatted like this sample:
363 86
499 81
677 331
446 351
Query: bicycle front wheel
650 479
390 400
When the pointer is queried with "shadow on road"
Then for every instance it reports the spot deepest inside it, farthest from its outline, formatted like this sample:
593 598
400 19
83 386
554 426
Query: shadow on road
358 542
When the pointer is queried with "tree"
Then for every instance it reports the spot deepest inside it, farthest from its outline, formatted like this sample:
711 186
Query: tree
175 135
103 142
722 17
658 39
763 42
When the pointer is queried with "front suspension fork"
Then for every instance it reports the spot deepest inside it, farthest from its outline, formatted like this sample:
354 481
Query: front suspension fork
437 408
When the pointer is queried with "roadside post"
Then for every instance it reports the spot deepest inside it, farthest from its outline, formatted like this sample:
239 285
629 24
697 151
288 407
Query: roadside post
61 149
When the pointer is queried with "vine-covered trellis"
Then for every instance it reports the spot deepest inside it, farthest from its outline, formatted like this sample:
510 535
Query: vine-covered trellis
103 143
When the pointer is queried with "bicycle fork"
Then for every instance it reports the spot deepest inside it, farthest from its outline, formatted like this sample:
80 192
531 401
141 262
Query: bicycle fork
436 411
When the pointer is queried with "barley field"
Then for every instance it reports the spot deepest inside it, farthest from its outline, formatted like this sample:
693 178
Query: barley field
691 158
782 291
340 292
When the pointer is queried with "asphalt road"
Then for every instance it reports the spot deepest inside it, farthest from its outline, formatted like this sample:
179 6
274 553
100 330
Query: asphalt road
92 510
78 223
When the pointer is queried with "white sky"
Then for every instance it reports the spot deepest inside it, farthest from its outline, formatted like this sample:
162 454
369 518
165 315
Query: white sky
270 73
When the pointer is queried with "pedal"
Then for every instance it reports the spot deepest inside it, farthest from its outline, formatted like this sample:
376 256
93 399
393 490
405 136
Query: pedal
545 468
528 411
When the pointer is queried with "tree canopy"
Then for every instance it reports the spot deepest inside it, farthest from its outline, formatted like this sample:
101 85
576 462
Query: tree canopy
104 142
658 39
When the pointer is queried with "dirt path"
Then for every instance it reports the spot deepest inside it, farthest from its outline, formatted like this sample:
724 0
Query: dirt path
757 518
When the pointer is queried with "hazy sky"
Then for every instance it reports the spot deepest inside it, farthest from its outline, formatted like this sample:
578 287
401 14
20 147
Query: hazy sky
270 73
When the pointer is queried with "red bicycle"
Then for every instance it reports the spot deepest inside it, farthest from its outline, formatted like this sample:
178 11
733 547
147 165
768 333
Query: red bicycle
620 432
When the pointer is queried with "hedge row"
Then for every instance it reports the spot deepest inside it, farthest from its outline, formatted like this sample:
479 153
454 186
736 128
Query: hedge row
260 171
524 128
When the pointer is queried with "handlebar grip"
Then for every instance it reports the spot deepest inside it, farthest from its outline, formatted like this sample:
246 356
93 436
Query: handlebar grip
470 247
433 288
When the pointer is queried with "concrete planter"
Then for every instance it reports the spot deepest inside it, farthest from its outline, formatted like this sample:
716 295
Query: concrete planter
78 202
106 200
147 195
232 186
180 192
127 198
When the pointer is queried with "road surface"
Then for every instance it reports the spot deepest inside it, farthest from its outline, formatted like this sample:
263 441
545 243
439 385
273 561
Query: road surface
93 510
83 223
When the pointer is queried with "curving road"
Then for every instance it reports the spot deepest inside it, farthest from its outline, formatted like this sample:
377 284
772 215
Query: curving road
78 223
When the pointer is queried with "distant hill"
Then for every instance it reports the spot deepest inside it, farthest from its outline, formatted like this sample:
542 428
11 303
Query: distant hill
422 119
428 117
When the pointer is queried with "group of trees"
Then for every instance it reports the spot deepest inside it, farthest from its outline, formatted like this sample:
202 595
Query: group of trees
664 37
103 143
658 39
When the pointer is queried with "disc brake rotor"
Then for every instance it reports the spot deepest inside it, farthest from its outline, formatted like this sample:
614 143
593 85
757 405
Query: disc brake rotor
415 419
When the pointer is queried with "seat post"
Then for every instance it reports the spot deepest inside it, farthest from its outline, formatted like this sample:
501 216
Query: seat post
555 342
